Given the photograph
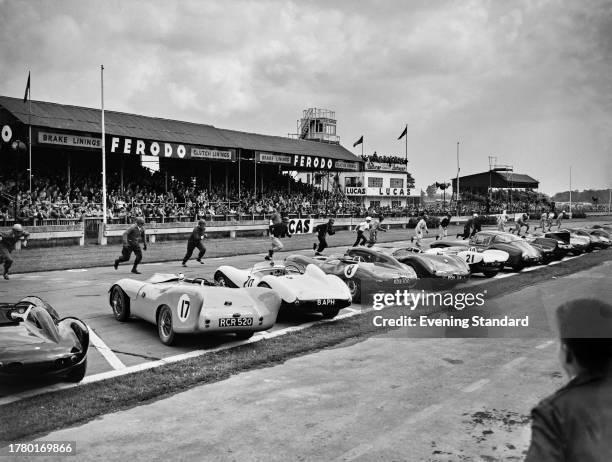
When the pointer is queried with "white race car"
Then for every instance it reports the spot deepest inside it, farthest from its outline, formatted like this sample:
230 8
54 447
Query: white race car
488 261
306 288
187 306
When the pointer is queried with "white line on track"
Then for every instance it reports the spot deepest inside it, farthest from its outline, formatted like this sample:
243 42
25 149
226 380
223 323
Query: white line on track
105 351
545 345
515 362
171 359
475 386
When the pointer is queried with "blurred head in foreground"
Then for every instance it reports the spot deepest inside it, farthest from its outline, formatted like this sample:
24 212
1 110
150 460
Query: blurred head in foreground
585 331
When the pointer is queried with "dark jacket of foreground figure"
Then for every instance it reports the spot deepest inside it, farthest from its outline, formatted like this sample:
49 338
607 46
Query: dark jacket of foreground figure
575 423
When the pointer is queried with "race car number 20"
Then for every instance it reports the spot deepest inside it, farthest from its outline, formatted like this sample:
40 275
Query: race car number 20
182 309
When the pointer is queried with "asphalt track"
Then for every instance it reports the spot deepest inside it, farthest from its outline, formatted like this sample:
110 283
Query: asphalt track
120 348
390 397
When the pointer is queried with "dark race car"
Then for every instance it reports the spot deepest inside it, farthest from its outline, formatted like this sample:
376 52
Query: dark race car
35 342
521 253
433 271
563 239
359 275
548 247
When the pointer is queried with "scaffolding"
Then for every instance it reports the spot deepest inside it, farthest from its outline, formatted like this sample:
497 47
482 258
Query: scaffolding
317 125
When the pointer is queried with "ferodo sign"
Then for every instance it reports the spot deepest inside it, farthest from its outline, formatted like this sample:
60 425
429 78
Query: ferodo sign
313 162
138 147
300 225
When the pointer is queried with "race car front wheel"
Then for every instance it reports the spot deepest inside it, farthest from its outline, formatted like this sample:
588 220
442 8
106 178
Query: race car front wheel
120 304
330 313
77 373
164 325
490 272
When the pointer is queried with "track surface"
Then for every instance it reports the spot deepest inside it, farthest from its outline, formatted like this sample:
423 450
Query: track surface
387 398
391 397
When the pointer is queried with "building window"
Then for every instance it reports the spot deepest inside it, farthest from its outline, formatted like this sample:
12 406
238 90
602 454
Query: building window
352 182
396 204
397 182
374 182
374 204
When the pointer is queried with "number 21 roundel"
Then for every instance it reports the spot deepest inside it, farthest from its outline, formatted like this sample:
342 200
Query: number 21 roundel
182 309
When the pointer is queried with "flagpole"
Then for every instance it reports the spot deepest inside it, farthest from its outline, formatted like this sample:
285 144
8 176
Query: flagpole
103 148
570 195
458 170
406 147
30 135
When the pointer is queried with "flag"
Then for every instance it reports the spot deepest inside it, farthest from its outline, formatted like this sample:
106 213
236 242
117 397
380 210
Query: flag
27 92
359 141
404 132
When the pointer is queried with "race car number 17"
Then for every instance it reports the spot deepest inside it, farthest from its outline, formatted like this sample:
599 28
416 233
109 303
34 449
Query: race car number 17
182 309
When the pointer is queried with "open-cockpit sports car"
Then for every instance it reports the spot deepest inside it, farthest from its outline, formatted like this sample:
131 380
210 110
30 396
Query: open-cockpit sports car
358 275
306 288
486 261
425 265
178 305
521 253
35 342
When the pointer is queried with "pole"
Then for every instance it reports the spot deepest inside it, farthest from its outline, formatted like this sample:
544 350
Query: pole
30 136
570 195
103 149
609 199
69 159
458 170
239 177
406 154
255 176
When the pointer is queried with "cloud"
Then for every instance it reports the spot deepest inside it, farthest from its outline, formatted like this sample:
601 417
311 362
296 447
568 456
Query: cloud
527 80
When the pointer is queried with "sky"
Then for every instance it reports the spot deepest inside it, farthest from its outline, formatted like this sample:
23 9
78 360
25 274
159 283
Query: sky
526 81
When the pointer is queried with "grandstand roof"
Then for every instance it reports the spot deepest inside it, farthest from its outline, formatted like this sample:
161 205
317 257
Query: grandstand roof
496 179
84 119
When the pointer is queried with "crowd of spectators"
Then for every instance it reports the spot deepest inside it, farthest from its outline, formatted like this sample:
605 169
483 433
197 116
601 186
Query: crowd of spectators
155 197
158 198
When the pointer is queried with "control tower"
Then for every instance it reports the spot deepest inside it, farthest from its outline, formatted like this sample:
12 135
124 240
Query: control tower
318 125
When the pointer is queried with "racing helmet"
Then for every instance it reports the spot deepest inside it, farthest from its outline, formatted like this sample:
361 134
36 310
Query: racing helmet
368 218
202 223
140 221
17 228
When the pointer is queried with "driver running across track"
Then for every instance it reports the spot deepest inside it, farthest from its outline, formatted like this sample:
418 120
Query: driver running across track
131 243
443 229
195 242
323 230
7 245
375 226
418 230
360 229
277 232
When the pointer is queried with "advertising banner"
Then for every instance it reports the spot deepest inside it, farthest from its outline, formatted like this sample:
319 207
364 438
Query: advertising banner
62 139
354 191
300 225
268 157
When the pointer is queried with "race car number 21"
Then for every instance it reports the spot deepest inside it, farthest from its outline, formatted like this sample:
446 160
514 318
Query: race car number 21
182 309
